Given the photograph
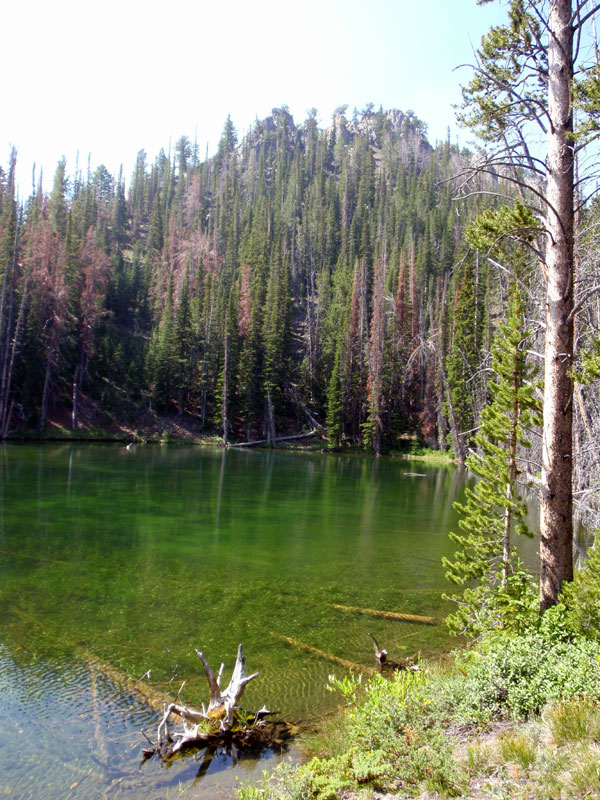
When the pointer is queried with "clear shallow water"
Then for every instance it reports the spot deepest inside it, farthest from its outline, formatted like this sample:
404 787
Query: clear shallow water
113 562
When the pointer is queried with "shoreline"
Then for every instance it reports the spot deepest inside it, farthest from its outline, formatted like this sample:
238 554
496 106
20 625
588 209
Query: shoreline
163 438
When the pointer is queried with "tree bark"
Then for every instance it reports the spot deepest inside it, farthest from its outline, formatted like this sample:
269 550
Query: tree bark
556 524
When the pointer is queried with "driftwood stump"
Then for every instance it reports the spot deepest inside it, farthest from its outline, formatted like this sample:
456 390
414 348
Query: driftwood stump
222 722
386 666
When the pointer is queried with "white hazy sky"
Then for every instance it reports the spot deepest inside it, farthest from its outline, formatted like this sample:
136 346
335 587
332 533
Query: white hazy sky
109 78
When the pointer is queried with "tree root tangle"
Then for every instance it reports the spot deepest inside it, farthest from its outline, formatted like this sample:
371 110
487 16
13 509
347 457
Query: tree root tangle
222 723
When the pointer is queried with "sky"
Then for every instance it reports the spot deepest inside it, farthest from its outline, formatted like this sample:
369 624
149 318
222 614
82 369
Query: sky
106 79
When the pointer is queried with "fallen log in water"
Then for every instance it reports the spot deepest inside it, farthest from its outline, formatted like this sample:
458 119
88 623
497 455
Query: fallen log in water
149 696
271 441
222 723
387 614
351 665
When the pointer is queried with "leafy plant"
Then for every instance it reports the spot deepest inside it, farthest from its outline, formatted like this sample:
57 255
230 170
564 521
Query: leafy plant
581 599
517 676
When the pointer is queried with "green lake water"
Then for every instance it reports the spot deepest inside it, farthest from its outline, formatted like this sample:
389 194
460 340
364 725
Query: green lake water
116 561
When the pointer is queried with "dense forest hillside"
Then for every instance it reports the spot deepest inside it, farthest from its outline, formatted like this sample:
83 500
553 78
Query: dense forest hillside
302 277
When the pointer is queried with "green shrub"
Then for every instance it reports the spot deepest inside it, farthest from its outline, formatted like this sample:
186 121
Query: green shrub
517 676
581 599
512 608
391 742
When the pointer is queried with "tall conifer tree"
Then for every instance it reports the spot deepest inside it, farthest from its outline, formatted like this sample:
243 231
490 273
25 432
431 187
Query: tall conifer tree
494 510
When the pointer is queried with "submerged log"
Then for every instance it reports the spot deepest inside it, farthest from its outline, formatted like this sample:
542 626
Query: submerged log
351 665
387 614
222 723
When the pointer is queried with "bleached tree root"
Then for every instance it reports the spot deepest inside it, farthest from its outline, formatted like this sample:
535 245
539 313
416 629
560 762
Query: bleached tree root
222 722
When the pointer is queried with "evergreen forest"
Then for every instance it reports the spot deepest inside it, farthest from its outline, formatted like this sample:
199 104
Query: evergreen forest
302 278
341 279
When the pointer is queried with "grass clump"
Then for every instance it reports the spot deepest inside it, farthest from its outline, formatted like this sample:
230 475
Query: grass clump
518 747
575 721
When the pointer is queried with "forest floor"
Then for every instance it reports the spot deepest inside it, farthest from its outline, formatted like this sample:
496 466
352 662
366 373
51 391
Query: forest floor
118 420
123 420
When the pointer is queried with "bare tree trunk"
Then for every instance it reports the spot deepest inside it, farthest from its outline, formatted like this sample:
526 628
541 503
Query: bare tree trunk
440 373
5 417
224 408
556 524
46 392
458 439
512 477
7 332
270 419
74 399
77 381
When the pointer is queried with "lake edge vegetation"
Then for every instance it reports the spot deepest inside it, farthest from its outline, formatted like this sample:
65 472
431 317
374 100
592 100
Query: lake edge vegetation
514 714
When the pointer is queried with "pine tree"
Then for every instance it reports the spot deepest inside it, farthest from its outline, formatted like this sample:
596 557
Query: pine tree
58 202
9 252
308 211
531 75
494 508
335 406
225 405
373 427
184 343
465 356
164 361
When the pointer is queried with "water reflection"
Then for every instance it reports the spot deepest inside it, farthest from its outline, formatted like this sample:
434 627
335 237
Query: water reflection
131 558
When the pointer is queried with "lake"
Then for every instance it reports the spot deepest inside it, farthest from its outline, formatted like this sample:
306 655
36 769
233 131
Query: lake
116 561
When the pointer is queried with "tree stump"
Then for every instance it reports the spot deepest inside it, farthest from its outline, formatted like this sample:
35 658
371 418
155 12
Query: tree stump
386 666
222 722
